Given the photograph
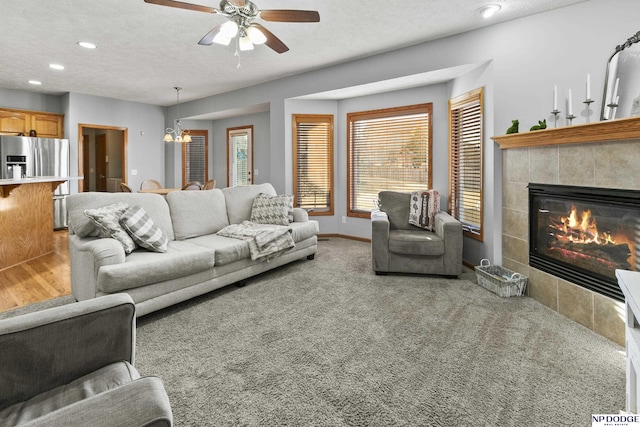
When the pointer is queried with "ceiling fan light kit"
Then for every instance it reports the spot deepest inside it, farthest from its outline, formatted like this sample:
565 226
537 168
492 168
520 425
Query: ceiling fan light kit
241 15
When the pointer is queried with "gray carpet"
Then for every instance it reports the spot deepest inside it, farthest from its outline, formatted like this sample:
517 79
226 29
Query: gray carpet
328 343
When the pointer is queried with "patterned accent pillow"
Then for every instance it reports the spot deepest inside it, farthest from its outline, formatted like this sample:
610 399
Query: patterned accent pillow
424 207
143 230
272 209
107 219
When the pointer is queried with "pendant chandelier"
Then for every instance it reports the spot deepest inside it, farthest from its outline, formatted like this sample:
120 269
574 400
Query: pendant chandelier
177 134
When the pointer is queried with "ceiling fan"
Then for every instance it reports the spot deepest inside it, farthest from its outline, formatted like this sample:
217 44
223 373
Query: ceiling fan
241 15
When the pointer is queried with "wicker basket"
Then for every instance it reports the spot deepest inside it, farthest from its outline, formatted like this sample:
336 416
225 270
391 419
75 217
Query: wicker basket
499 280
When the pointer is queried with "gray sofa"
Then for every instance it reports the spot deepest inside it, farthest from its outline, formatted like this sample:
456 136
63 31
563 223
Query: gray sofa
73 365
399 247
197 260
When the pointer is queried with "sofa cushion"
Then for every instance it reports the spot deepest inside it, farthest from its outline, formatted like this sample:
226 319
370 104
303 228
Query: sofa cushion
276 210
239 200
154 204
227 249
91 384
143 268
107 219
415 242
143 230
197 213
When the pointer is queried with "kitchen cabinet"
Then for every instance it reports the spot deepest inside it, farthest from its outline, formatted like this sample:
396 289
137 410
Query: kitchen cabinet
46 125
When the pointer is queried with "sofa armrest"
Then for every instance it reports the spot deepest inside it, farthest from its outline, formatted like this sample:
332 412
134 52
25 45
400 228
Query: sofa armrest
143 402
87 255
52 347
449 229
380 241
300 215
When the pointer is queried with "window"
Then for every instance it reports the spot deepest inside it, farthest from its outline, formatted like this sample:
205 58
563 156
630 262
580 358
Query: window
195 158
465 153
239 156
313 163
388 149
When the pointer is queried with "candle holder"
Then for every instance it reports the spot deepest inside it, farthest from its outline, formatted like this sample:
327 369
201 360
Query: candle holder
613 109
555 113
570 118
587 102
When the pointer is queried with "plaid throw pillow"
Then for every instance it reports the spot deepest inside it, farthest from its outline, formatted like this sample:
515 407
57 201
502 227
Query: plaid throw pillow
424 207
142 229
107 219
272 209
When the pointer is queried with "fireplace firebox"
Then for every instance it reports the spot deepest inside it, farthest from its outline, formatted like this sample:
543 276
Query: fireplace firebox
583 234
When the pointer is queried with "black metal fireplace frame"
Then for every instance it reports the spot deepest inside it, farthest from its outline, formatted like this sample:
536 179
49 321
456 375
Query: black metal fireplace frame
603 285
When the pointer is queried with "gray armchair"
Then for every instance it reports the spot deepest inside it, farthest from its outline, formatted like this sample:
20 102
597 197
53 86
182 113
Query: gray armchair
73 366
399 247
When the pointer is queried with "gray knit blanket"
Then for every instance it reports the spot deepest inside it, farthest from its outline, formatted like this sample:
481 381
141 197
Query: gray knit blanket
266 241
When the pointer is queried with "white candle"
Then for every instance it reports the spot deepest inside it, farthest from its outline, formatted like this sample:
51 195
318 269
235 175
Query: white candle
570 104
555 98
588 86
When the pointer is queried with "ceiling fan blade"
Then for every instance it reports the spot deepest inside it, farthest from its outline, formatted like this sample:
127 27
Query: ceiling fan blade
272 41
207 40
183 5
284 15
239 3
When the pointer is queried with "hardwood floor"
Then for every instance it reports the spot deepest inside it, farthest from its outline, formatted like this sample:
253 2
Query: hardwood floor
39 279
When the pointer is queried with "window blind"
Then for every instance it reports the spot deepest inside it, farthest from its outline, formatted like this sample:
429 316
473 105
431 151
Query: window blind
465 150
313 163
388 150
194 157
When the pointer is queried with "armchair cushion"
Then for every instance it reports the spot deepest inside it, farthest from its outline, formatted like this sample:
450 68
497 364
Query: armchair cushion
96 382
418 242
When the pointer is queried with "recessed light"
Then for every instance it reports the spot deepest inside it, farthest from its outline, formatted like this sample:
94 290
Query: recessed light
35 82
489 10
87 45
56 66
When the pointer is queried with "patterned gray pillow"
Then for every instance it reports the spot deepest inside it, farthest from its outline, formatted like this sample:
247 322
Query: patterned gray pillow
143 230
107 220
272 209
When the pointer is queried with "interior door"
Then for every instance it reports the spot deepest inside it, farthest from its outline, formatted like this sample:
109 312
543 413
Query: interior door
101 162
239 156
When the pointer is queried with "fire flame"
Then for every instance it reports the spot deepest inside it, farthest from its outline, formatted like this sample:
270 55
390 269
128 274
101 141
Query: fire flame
584 229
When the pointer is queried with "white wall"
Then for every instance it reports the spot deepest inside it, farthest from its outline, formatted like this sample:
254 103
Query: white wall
145 148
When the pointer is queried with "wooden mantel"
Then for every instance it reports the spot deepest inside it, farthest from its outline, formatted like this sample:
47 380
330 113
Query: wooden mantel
613 130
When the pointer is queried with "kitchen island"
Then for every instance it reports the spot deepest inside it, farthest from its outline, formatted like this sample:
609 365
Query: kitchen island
26 218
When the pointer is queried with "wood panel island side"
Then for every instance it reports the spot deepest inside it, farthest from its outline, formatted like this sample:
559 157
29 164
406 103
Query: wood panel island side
26 218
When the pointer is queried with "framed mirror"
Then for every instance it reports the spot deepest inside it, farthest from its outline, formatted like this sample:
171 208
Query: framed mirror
621 96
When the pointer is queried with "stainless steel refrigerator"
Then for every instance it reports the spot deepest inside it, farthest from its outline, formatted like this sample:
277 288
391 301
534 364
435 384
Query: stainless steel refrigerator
39 157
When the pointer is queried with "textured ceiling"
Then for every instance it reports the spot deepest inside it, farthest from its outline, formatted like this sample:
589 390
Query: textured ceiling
144 50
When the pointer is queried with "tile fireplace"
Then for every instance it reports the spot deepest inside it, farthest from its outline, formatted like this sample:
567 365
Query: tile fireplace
601 157
583 234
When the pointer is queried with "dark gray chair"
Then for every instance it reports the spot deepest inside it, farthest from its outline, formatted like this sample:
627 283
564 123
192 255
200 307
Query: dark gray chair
73 365
399 247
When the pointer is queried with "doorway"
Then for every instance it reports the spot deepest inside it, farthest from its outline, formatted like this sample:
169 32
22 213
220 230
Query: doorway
239 156
102 157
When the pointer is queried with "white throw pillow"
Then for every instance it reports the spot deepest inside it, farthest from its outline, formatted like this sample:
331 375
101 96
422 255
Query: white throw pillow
272 209
143 230
107 219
